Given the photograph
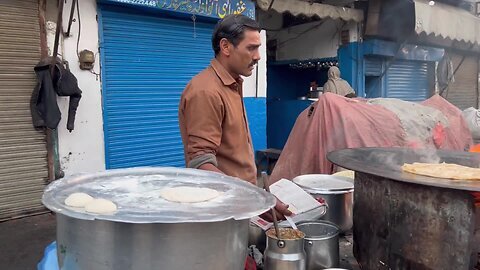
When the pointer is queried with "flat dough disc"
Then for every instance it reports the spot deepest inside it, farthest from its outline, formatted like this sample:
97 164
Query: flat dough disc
189 194
78 199
349 174
101 206
443 170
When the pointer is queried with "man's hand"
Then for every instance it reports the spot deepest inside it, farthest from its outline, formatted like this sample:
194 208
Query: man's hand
281 211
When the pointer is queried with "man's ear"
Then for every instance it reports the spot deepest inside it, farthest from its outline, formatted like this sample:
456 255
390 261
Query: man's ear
225 46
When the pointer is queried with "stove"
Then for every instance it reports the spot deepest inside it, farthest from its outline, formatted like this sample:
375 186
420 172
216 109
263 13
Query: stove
405 221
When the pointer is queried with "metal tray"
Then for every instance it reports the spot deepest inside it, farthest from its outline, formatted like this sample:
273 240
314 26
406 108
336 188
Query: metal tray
136 193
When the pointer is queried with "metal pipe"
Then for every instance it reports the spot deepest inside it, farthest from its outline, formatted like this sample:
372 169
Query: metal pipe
72 11
57 37
42 9
49 132
274 215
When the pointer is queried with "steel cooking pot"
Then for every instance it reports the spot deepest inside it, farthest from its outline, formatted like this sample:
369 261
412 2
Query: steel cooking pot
284 254
257 235
148 232
337 191
321 244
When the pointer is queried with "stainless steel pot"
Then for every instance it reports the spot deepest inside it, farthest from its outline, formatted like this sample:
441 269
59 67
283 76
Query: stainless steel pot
284 254
106 245
340 208
257 237
315 94
148 232
337 192
321 244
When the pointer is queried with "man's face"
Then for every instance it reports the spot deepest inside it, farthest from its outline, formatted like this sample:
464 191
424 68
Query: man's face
246 54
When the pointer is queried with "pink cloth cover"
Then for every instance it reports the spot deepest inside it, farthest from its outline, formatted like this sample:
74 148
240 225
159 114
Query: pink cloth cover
334 123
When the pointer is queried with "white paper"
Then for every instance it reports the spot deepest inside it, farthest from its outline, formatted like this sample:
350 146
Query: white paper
299 200
302 204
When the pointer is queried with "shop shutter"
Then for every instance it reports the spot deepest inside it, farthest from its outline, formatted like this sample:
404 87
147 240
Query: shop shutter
23 162
373 67
463 91
147 60
408 80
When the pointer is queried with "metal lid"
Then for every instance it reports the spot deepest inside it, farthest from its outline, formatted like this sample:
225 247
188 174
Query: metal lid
324 183
136 192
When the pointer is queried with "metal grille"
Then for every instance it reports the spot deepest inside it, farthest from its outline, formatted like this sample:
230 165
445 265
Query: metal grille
373 67
146 62
23 162
408 80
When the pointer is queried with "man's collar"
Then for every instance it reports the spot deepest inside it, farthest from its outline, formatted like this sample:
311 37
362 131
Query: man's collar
223 74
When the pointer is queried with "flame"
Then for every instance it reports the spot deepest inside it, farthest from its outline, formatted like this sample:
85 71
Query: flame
475 148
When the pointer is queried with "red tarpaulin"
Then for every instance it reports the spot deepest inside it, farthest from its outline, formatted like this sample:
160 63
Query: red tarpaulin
334 123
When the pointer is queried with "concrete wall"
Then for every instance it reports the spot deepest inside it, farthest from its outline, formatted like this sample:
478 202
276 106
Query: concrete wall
312 40
255 94
83 149
256 85
319 39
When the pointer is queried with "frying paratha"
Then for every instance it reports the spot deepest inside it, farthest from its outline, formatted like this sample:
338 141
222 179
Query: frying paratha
443 170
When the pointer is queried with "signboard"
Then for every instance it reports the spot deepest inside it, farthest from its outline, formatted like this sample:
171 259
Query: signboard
209 8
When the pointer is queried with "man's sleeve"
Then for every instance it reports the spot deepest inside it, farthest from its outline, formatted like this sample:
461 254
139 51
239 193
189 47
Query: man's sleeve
204 112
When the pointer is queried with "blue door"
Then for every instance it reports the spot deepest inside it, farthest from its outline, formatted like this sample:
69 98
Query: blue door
147 60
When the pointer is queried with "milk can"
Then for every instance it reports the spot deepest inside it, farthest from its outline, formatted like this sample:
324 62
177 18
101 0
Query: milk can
286 253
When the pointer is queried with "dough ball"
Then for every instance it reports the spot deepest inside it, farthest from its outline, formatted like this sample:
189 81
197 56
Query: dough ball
101 206
78 199
189 194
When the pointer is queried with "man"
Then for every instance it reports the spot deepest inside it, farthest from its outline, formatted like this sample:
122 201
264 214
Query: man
213 122
337 85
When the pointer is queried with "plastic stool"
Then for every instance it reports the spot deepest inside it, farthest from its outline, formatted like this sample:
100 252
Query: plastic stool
49 261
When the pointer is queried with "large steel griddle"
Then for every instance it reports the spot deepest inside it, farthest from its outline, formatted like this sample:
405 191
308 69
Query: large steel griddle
404 221
387 163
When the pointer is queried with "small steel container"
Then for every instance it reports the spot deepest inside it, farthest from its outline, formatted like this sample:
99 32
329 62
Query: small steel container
284 254
321 244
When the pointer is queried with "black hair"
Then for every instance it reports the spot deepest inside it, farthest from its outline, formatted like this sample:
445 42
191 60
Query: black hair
233 28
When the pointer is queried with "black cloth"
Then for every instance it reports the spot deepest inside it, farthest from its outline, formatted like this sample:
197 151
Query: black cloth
444 72
43 104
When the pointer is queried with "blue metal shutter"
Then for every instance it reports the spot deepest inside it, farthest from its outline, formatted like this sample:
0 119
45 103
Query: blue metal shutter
373 78
373 66
408 80
147 61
